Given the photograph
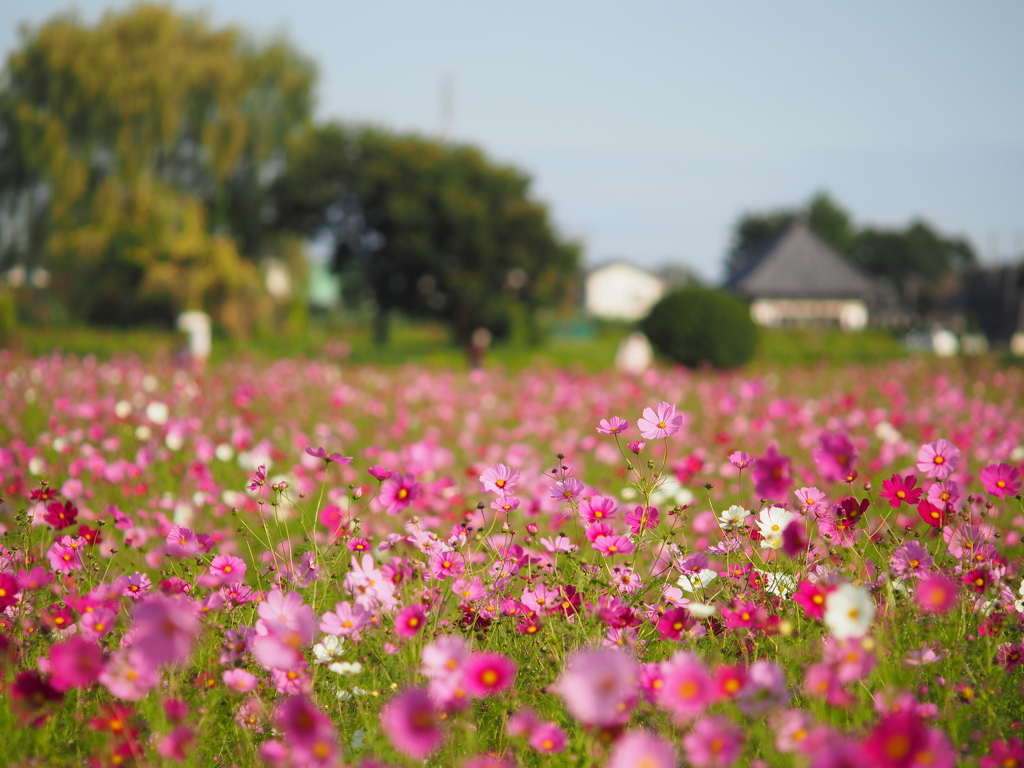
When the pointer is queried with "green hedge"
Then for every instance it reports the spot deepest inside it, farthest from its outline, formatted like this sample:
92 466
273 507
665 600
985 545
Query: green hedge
700 325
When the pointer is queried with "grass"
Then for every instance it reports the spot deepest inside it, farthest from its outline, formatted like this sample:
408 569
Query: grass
430 345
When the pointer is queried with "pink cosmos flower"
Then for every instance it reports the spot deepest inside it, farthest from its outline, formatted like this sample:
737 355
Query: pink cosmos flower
642 519
96 623
489 673
307 731
398 492
1004 753
911 559
444 565
714 742
567 490
409 620
378 472
936 594
834 456
321 453
895 741
599 686
239 680
129 675
899 490
640 748
65 554
547 738
411 724
938 460
765 689
613 426
598 509
613 545
688 686
740 459
182 542
771 475
499 479
660 422
226 569
636 447
75 663
164 628
1001 480
944 495
177 744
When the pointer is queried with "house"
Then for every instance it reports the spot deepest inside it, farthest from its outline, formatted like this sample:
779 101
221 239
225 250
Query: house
799 280
621 291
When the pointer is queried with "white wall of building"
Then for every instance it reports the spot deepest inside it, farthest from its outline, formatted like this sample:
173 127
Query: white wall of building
622 292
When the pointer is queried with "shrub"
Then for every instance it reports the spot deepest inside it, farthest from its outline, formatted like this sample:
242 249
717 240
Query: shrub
695 325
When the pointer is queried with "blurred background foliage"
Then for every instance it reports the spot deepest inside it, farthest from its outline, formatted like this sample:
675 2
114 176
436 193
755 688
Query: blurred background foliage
151 164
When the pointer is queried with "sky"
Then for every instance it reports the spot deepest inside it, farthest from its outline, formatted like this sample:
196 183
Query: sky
650 127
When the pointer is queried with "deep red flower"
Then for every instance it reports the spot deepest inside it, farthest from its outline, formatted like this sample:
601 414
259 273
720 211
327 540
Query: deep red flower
61 515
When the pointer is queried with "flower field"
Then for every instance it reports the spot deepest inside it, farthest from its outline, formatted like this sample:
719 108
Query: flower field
295 563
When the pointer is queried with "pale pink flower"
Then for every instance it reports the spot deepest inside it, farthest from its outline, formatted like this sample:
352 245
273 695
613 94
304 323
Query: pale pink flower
660 422
239 680
499 479
345 620
600 686
939 459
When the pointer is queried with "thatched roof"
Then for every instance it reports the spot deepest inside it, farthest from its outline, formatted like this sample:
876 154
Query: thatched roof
799 265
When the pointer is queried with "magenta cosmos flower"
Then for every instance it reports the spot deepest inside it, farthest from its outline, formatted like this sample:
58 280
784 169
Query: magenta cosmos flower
659 422
899 490
714 742
321 453
613 426
412 724
398 492
1001 480
938 460
489 673
936 594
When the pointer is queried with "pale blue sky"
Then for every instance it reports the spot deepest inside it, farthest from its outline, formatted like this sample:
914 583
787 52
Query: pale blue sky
649 127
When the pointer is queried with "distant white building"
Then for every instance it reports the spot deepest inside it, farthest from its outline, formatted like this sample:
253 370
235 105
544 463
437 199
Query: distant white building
621 291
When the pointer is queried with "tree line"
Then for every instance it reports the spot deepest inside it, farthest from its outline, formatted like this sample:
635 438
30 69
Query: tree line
152 163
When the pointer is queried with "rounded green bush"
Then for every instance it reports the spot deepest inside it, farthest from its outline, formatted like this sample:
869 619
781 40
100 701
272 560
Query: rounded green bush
700 325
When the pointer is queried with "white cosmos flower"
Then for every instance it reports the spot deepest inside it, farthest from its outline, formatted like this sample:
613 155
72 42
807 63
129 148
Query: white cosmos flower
689 583
781 584
328 649
346 667
732 518
849 611
773 521
701 610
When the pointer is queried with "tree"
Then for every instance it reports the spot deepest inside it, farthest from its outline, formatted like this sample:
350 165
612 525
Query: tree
426 228
916 261
137 154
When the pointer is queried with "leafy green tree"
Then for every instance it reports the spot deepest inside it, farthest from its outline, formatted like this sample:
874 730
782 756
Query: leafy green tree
136 156
426 228
917 262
